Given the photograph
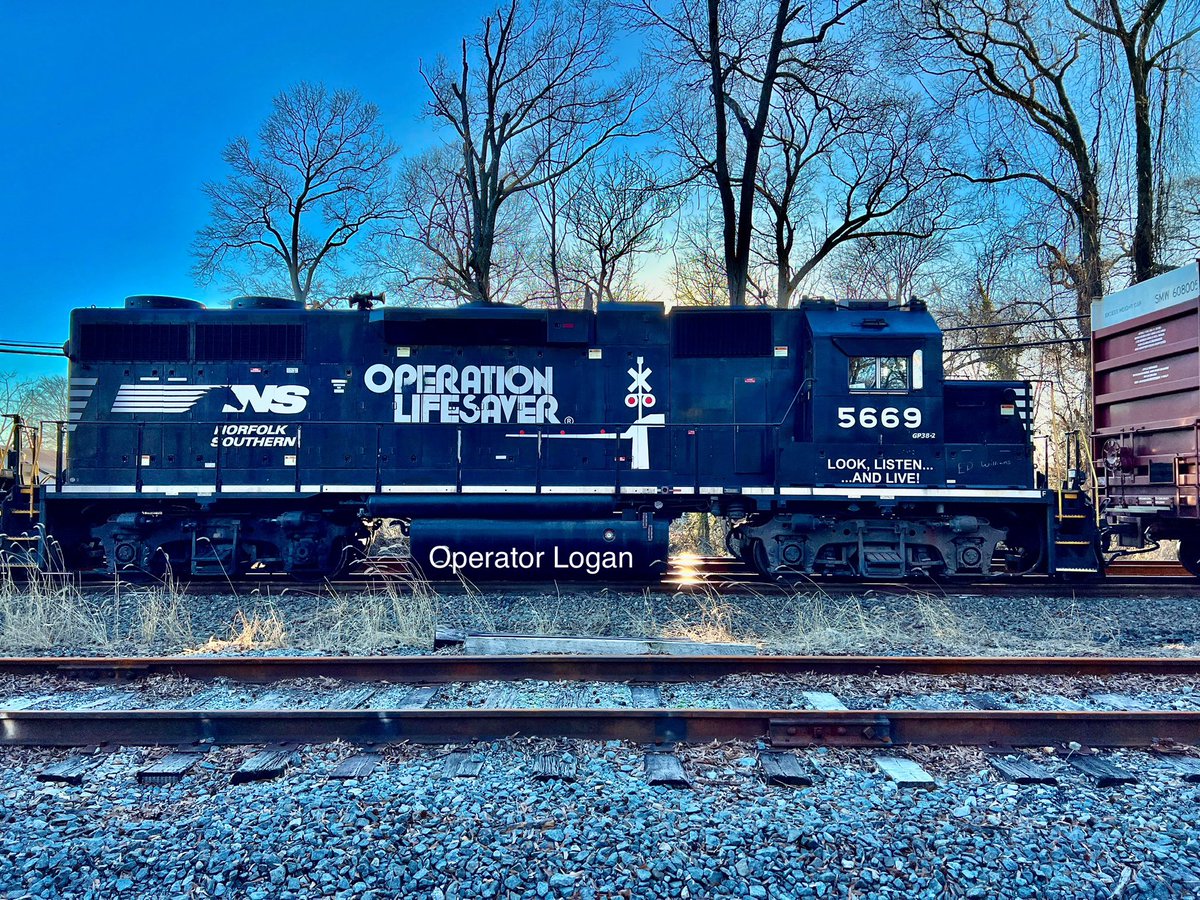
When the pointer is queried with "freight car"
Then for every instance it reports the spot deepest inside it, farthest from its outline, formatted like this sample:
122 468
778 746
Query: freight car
1146 387
552 443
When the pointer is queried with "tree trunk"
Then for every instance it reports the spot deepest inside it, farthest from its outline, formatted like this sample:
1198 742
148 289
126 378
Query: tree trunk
735 280
783 264
1143 229
1090 284
481 258
298 292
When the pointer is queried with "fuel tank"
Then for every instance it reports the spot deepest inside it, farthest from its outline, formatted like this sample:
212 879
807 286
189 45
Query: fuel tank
601 550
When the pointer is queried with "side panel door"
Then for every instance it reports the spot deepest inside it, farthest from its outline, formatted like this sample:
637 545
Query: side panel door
750 436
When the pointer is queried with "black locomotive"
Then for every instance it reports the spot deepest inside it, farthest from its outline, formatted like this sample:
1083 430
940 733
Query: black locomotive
554 443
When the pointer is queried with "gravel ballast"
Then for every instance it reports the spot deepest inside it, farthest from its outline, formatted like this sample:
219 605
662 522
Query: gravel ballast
405 831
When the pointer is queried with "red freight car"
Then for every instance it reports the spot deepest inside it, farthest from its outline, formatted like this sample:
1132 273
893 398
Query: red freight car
1146 388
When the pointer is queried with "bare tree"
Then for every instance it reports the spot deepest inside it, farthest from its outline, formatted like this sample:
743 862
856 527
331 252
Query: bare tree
1186 215
423 253
318 176
44 399
535 95
556 264
735 54
617 212
1146 53
35 400
890 265
424 249
1018 81
699 280
862 167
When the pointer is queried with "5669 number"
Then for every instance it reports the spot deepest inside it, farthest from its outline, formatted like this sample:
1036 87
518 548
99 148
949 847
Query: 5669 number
870 417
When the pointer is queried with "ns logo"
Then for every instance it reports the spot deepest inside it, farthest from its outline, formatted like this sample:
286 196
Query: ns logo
281 399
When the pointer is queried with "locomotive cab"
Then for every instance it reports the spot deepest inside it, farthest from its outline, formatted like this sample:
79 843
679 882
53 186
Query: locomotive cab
888 494
877 396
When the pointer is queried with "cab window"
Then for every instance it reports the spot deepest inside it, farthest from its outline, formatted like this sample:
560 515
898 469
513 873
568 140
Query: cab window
879 373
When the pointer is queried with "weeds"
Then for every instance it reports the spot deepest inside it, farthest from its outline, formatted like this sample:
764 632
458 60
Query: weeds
933 614
42 612
161 616
374 620
252 632
815 622
711 622
1075 628
643 617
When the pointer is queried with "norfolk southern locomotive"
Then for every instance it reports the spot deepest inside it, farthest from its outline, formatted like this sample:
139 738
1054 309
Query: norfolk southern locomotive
555 443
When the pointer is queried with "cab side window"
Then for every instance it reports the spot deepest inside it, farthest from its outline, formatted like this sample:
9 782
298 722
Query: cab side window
879 373
864 372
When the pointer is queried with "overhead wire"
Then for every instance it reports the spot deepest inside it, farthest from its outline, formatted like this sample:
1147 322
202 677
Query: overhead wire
1016 324
1016 345
31 348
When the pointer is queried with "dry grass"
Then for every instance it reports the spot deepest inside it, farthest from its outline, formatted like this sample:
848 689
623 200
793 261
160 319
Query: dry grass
1076 629
255 632
816 622
160 614
642 616
935 616
710 622
43 612
374 620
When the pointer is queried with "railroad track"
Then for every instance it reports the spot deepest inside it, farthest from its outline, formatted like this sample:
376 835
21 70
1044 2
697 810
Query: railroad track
380 700
685 573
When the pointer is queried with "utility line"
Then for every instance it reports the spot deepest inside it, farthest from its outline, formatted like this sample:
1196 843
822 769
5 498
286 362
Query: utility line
57 353
1015 346
1016 324
31 348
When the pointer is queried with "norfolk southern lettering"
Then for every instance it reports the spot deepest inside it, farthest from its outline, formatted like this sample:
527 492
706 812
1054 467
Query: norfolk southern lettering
468 394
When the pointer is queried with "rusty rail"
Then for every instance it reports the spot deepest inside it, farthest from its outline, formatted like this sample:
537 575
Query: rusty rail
447 669
782 728
1132 567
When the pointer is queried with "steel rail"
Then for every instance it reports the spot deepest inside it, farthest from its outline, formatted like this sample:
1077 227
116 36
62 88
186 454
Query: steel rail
685 573
432 669
728 584
782 728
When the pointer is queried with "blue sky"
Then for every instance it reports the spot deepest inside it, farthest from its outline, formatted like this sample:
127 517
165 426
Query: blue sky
114 114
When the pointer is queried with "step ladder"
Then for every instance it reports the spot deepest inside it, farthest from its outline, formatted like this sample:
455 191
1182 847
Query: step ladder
21 469
1076 537
21 536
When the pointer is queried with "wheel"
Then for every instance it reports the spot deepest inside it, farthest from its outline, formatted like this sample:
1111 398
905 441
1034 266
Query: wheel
1189 554
758 558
